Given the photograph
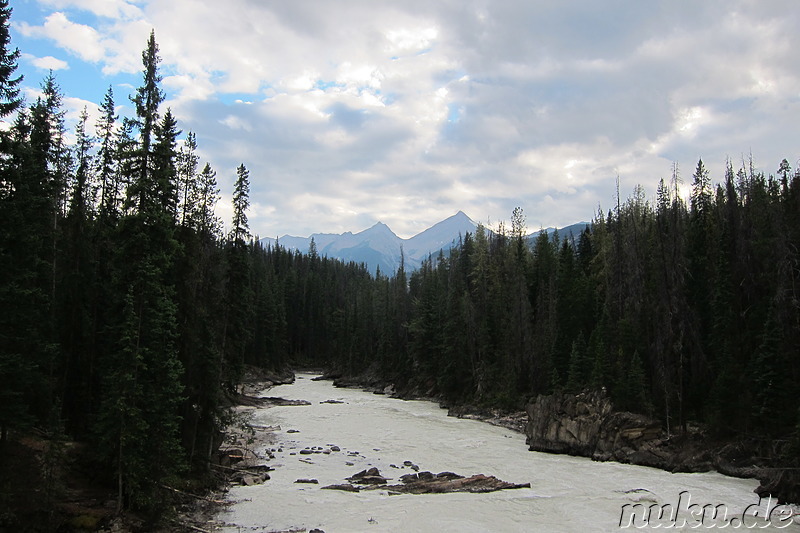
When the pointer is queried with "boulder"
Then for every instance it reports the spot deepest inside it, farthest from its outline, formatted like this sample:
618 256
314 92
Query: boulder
274 400
368 477
343 486
626 437
446 482
230 456
567 423
428 483
780 483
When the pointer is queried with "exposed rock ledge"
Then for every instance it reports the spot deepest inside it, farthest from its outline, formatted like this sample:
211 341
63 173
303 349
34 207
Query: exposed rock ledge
587 425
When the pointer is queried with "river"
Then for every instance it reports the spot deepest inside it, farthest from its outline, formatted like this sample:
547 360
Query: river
567 493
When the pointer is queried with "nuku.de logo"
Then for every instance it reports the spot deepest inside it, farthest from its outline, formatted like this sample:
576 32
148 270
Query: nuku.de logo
765 513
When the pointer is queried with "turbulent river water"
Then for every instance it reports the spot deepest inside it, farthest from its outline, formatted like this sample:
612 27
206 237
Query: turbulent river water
567 493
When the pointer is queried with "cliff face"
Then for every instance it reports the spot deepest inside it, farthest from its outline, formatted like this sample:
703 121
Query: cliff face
587 425
565 423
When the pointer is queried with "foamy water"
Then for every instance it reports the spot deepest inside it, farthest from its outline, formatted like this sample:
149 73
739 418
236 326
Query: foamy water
567 493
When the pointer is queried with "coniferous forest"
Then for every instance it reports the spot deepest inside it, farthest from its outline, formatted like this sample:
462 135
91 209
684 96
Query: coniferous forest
128 316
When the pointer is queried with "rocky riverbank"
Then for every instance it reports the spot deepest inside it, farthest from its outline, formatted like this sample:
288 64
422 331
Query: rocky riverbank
587 425
513 420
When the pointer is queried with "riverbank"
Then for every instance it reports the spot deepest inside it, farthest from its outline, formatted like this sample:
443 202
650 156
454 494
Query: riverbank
336 436
515 420
586 425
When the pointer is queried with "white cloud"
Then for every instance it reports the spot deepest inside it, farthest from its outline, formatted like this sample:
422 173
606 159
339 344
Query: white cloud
410 111
79 39
403 40
104 8
188 87
236 123
46 62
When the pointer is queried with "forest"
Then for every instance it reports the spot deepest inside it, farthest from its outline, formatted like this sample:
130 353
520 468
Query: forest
129 314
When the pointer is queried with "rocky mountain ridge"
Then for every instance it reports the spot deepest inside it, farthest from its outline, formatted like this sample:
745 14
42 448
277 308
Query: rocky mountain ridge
380 248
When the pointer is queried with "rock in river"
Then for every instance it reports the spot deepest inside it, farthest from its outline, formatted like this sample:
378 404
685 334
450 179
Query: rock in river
368 477
426 483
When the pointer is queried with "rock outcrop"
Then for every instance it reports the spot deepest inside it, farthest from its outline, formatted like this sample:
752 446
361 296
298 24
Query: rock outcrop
782 483
587 425
425 483
444 482
566 423
368 477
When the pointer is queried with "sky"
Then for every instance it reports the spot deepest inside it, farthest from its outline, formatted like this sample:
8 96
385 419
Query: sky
352 112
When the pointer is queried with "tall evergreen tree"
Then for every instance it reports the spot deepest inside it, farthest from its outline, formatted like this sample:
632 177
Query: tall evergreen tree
106 161
188 161
10 99
142 392
238 288
16 365
147 100
240 230
202 217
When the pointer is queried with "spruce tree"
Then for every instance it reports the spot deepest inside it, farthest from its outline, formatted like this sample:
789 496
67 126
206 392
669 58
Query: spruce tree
106 160
240 230
10 99
147 100
238 289
142 393
17 369
188 161
203 218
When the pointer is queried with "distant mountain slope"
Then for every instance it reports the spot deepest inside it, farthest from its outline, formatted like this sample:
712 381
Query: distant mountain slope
380 247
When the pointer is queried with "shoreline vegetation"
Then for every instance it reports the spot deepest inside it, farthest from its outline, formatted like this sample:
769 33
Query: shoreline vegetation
51 484
243 457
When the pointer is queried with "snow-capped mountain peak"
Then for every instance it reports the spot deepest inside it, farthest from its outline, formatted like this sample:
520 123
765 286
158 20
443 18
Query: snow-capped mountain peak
378 246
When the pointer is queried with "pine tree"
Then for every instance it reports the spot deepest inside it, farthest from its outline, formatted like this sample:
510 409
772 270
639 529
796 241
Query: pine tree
42 169
82 200
164 162
77 293
579 368
188 161
238 289
106 159
147 100
17 367
142 393
240 230
10 99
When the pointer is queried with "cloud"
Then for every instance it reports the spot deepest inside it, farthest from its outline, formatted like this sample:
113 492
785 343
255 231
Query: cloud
46 63
114 9
407 112
79 39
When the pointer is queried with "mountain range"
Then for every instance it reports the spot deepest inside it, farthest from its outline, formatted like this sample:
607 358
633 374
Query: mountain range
379 247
